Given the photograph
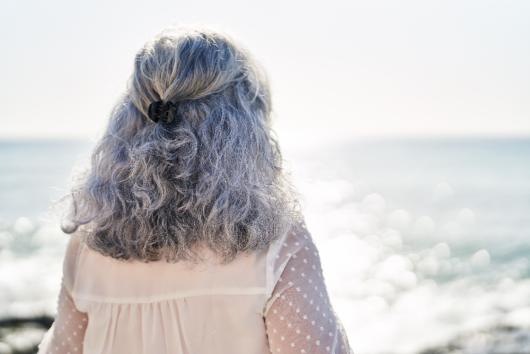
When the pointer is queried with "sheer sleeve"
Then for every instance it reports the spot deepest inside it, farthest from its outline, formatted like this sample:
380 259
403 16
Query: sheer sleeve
67 331
299 317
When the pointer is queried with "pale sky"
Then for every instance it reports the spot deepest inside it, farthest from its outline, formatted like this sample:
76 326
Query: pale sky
342 68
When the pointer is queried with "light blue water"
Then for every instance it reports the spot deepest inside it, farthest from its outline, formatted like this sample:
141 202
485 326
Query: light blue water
34 172
489 176
416 236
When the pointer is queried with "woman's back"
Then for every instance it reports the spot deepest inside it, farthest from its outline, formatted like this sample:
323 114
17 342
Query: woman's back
187 236
260 302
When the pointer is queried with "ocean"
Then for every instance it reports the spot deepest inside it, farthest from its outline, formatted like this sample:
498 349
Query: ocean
423 242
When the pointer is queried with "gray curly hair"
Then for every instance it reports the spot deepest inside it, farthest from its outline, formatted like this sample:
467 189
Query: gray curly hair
214 178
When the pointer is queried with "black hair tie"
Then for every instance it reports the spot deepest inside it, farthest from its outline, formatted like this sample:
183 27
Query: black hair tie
160 111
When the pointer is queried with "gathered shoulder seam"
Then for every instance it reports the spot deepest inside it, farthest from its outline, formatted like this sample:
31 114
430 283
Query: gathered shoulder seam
171 296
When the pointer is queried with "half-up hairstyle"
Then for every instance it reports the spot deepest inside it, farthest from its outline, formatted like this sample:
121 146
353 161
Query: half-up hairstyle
212 177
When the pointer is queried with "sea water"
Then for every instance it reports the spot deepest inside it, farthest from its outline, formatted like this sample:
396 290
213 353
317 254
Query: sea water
420 240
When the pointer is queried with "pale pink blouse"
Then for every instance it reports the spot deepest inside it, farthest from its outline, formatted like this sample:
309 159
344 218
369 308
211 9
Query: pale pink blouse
271 301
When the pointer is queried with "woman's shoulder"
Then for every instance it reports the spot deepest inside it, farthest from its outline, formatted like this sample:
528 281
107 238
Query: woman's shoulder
74 246
297 237
286 249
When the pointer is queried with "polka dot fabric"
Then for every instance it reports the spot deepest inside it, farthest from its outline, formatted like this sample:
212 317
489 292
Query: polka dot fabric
67 332
299 317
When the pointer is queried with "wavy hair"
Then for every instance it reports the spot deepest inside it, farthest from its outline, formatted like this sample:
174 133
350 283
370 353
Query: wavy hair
213 177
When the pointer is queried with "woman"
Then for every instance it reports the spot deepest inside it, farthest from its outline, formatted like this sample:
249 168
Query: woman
186 236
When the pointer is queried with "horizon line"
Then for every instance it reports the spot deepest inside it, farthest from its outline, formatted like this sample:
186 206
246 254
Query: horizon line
351 138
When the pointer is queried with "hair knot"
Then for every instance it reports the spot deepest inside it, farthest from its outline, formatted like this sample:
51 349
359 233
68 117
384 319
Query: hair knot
160 111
